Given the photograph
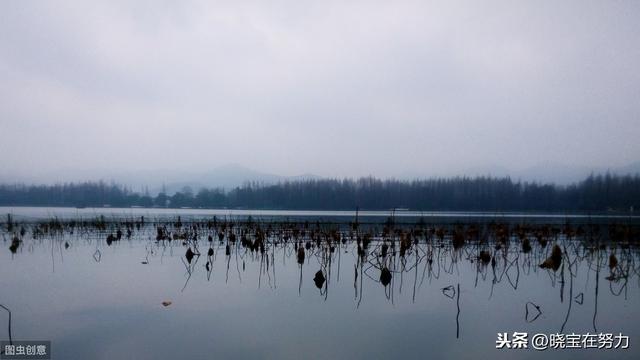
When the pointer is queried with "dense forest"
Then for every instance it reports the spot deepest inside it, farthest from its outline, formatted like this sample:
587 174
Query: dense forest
595 193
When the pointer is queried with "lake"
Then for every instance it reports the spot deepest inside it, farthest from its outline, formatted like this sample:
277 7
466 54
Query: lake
167 284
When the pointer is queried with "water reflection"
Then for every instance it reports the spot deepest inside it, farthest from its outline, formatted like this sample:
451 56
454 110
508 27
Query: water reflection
399 259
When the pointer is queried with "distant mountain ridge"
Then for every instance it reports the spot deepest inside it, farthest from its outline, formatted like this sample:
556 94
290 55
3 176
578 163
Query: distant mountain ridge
232 175
228 176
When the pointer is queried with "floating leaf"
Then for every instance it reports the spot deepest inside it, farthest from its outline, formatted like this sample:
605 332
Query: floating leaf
554 261
385 276
532 312
613 261
189 255
449 291
485 257
319 279
15 243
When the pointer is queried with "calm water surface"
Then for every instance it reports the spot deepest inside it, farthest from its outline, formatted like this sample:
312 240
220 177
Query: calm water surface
35 213
99 299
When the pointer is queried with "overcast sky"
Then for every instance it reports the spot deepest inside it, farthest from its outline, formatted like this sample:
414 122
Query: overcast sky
334 88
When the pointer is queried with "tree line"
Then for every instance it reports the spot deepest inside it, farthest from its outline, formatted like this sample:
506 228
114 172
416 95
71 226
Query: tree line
602 192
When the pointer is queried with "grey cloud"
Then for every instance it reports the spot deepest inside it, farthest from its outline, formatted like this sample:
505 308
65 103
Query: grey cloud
333 88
